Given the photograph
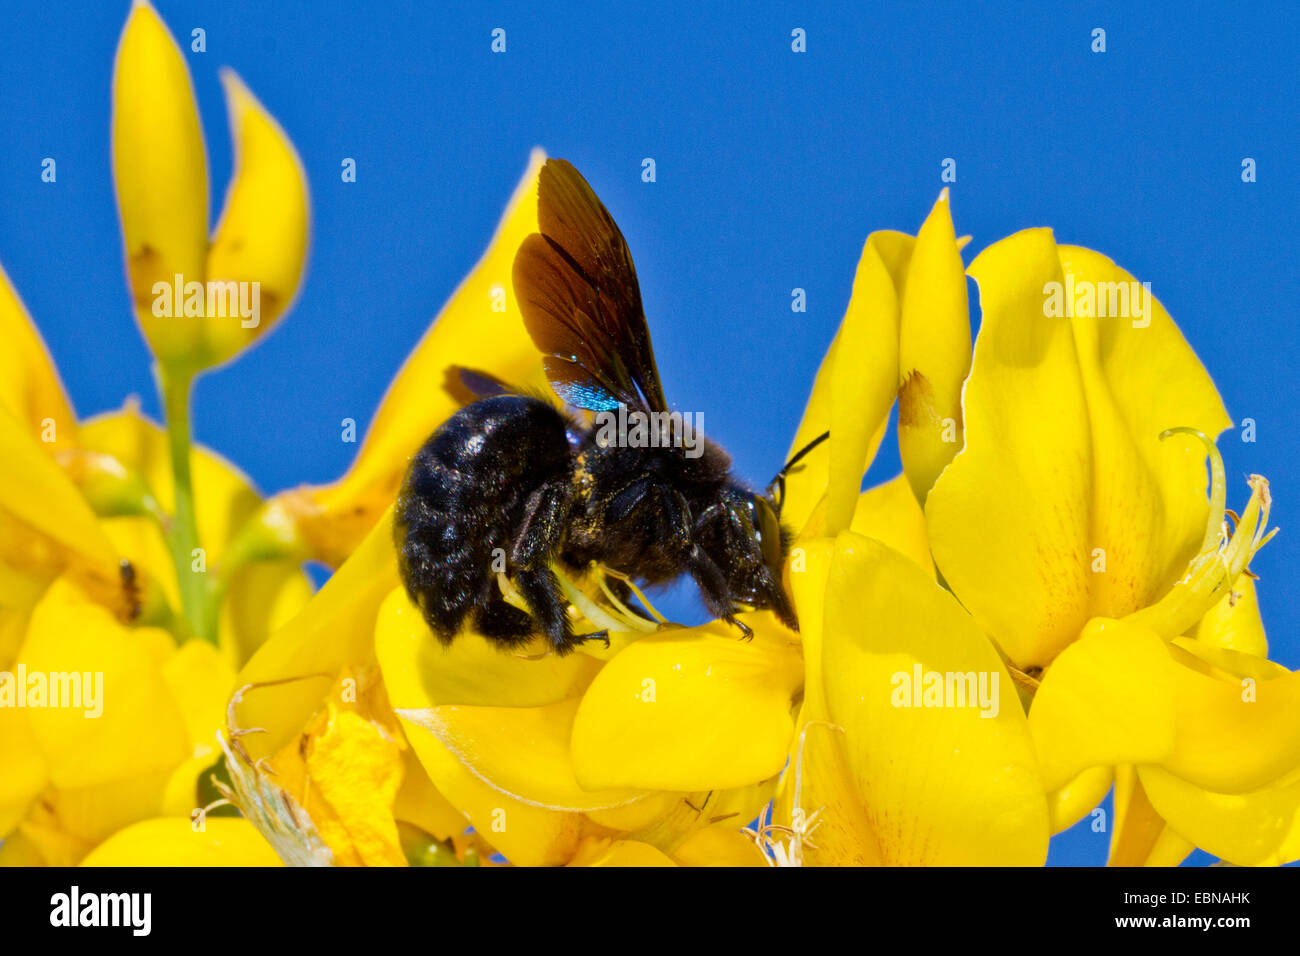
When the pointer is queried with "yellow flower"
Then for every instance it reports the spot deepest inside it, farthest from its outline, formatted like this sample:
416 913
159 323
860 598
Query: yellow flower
1071 502
144 732
112 701
179 277
865 782
1106 567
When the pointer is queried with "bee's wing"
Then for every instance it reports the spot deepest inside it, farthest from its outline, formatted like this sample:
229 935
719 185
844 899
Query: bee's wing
580 300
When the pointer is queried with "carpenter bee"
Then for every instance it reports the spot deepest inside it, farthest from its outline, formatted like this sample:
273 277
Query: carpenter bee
513 481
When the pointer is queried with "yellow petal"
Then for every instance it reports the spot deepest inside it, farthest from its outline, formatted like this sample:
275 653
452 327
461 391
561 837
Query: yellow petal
856 391
934 351
421 672
29 383
173 842
1237 721
469 331
816 775
1149 507
521 751
1108 699
262 597
864 383
128 723
25 772
262 235
599 852
1234 622
87 816
718 846
358 770
1069 804
886 514
641 723
419 802
1259 828
293 669
1137 824
949 785
527 835
161 173
201 682
45 521
1008 519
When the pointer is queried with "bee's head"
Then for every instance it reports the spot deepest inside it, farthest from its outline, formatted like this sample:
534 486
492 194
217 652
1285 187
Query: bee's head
744 538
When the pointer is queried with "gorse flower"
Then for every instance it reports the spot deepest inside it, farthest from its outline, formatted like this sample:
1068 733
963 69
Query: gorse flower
1043 605
125 604
160 169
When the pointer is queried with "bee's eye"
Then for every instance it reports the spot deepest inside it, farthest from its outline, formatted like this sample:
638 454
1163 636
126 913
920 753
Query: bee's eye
767 528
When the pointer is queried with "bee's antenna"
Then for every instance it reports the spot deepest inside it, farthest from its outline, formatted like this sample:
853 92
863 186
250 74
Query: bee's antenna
778 482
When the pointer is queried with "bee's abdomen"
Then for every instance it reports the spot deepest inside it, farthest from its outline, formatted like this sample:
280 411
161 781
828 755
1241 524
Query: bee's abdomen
464 496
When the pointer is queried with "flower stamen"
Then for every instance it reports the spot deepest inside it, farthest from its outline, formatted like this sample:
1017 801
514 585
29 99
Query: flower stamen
1225 551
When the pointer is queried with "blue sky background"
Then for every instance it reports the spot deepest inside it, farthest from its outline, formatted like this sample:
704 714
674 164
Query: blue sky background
772 168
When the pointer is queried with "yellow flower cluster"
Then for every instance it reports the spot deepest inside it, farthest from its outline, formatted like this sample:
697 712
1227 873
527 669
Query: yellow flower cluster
1044 605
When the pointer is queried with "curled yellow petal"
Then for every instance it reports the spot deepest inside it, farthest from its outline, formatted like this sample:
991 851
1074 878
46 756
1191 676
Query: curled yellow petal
263 231
934 351
1069 804
1235 622
46 526
1237 719
853 391
1257 828
29 383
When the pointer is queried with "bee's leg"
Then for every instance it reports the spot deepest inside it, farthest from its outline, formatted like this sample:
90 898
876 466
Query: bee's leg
545 513
541 590
746 632
708 576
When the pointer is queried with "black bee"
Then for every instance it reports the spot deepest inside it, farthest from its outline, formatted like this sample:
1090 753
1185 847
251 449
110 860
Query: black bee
510 483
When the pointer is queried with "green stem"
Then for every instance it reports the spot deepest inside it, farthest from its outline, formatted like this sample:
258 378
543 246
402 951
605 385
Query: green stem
196 595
